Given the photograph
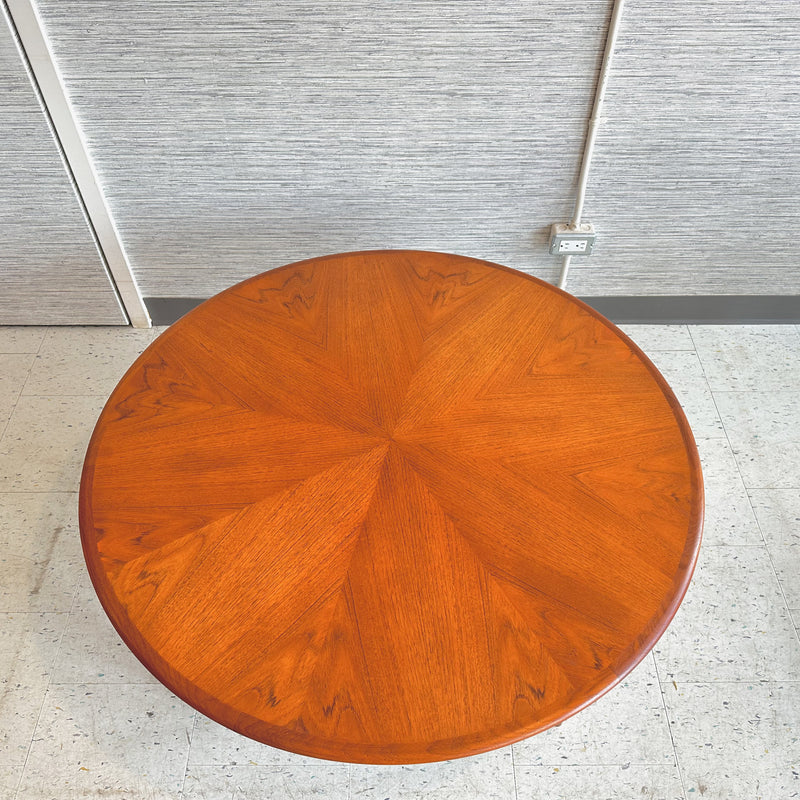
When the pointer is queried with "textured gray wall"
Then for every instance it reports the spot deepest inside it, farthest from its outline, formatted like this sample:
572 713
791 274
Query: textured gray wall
50 270
231 138
236 137
697 176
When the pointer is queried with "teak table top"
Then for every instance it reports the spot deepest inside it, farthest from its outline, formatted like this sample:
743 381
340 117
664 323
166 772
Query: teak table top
391 507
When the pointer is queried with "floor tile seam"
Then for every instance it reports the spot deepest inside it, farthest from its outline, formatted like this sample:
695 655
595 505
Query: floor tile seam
602 764
44 700
707 545
105 683
15 795
50 332
57 395
182 790
36 356
753 391
37 613
668 720
712 388
775 572
730 444
694 350
69 613
770 488
55 491
7 423
667 350
39 491
292 765
753 510
514 772
707 680
754 682
279 767
75 591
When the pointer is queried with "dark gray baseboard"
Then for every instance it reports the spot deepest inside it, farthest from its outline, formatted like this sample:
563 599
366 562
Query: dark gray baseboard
759 309
739 309
166 310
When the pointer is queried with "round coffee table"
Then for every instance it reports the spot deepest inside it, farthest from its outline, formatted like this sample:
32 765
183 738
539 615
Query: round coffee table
391 507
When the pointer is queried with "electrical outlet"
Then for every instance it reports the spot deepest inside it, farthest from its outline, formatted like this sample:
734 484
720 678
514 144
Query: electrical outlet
572 246
567 241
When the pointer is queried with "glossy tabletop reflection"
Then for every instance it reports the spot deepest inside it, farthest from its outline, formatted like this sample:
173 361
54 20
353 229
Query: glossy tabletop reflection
391 506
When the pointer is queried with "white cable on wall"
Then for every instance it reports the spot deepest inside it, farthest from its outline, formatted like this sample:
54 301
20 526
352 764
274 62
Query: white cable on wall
594 125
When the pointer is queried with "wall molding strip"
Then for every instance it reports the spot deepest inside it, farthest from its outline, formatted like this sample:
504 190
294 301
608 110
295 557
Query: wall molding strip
667 309
41 66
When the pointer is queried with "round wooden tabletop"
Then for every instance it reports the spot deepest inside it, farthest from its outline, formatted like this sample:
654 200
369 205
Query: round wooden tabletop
391 507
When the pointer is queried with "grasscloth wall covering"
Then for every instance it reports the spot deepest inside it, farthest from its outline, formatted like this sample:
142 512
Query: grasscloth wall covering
50 270
234 137
697 172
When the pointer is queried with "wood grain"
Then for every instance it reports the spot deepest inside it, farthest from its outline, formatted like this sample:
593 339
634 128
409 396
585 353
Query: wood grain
391 506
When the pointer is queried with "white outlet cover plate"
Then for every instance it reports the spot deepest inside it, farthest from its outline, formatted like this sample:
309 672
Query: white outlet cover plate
577 241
